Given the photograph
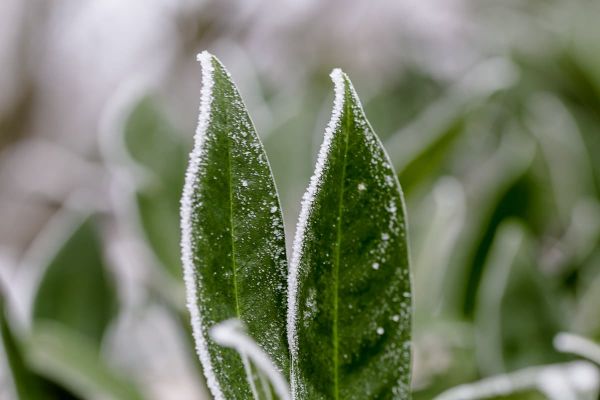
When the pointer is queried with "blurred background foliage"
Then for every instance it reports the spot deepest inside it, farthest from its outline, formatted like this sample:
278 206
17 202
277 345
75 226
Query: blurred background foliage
490 111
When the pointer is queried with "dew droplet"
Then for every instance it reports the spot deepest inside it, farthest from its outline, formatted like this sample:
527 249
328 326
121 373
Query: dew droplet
244 183
362 186
273 209
385 236
395 318
380 331
375 266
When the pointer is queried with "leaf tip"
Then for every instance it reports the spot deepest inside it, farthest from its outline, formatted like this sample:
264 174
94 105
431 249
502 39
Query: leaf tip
204 56
339 79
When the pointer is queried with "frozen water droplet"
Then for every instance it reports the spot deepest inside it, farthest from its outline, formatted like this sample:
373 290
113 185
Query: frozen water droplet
362 186
375 266
244 183
380 331
385 236
395 318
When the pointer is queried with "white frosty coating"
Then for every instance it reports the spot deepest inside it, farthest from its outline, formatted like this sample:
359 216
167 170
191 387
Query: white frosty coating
558 382
205 59
338 77
571 343
231 334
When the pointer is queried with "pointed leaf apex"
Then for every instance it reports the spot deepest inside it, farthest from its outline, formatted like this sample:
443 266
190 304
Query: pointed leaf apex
204 56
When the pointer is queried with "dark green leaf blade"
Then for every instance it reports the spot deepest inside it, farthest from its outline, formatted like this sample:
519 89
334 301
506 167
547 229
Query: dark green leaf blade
27 385
76 289
349 315
66 356
232 236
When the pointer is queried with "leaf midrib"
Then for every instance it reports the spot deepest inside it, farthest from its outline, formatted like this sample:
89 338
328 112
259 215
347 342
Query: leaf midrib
336 265
233 263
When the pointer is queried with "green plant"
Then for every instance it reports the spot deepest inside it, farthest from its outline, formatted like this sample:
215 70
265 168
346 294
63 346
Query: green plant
347 294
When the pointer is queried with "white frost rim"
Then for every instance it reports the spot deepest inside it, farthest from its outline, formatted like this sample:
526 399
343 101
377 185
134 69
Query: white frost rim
206 63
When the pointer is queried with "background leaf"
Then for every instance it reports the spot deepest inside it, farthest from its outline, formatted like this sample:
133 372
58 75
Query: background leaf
76 289
350 296
68 357
26 385
161 150
233 240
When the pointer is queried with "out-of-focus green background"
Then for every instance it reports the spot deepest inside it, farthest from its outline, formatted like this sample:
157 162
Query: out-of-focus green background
490 111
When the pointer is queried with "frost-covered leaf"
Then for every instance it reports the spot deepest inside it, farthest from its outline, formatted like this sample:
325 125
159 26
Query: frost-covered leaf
72 359
349 318
76 289
265 380
232 236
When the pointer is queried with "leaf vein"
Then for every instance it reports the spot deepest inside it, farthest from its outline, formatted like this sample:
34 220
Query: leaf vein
336 266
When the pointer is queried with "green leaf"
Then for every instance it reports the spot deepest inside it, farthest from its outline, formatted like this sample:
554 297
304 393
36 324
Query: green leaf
161 151
76 289
265 380
232 236
350 295
494 178
511 291
72 359
421 146
506 248
27 386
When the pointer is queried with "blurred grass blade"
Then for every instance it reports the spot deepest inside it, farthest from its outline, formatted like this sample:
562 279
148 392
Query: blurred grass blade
511 291
26 385
233 241
161 151
571 343
578 380
446 221
488 316
350 297
65 356
266 381
419 146
487 188
564 151
76 289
